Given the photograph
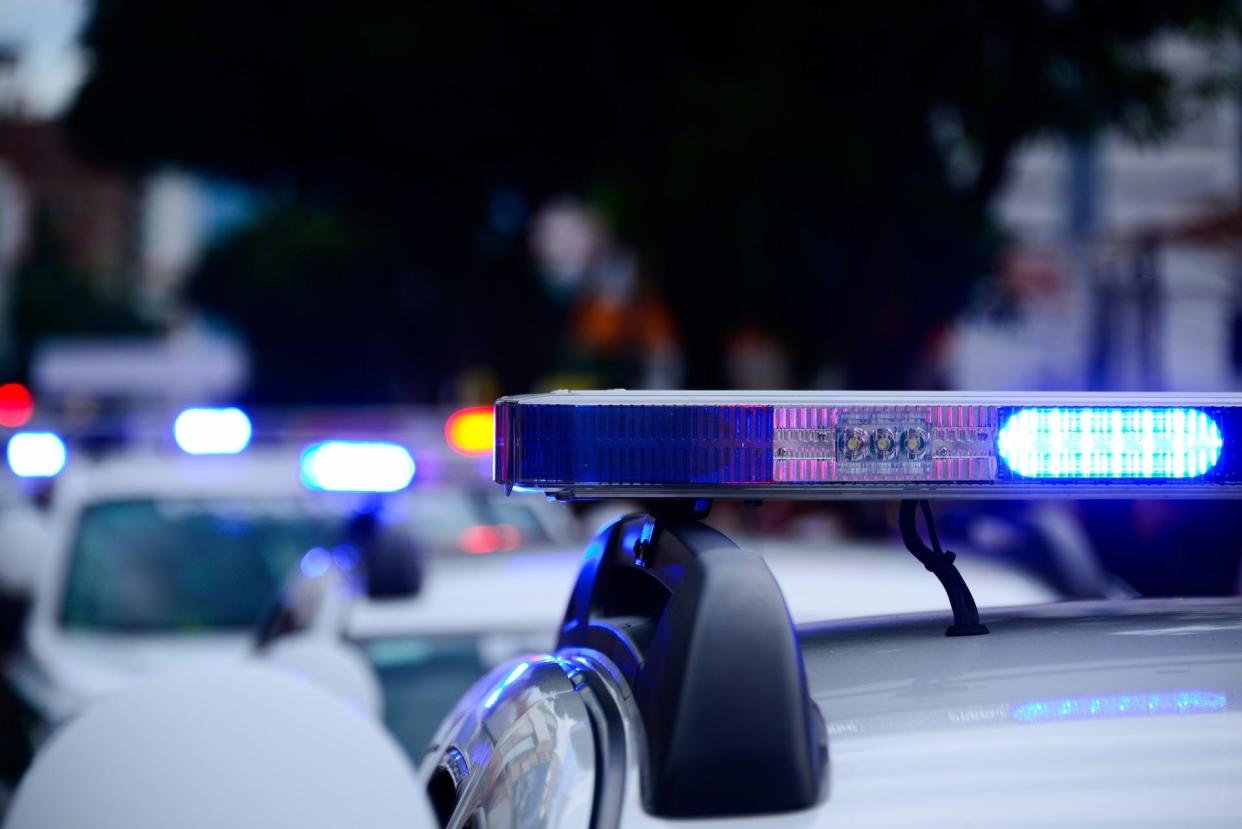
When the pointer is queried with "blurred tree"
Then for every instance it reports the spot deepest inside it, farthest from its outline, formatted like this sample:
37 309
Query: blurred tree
52 298
818 170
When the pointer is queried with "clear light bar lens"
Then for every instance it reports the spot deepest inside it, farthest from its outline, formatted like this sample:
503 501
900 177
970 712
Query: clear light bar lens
357 466
212 431
36 454
812 444
1089 442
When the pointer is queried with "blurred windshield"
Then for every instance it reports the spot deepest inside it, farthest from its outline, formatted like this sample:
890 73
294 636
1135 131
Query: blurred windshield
148 565
186 564
446 521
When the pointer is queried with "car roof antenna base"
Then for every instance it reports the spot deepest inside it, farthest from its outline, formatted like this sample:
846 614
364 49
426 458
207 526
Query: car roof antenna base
939 562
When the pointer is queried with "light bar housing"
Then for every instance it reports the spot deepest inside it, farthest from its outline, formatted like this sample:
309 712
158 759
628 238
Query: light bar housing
855 445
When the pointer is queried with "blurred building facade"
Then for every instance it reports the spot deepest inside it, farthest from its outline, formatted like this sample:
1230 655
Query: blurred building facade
1124 260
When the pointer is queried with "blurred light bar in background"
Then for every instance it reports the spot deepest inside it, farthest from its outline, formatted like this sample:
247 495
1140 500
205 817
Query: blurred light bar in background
16 405
471 431
36 454
212 431
488 538
357 466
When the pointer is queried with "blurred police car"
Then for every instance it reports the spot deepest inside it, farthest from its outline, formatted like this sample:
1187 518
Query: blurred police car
159 559
679 688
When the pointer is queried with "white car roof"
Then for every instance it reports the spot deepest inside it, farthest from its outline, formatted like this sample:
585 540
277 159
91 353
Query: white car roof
497 593
529 591
256 473
1079 714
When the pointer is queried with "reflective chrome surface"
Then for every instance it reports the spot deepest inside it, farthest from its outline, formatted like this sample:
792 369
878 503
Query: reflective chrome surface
525 736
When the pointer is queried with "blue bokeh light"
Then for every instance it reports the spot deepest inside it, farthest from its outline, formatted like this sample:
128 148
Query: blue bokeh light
514 676
357 466
1090 442
315 562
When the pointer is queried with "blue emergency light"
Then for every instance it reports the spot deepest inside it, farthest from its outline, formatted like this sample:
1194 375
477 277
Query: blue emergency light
859 445
357 466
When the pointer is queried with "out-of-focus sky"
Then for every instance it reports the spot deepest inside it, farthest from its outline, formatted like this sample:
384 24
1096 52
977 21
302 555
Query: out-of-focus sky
41 35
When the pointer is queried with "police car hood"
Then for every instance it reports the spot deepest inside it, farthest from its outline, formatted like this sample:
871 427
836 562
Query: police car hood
1077 714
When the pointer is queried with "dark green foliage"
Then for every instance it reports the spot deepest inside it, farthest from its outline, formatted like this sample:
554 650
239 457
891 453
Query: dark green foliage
818 169
54 298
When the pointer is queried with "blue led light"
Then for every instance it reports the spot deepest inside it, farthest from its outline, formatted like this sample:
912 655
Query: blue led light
635 444
315 562
1089 442
36 454
514 676
346 556
357 466
212 431
1170 703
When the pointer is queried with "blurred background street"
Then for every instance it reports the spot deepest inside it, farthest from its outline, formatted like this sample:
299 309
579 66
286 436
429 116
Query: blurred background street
358 226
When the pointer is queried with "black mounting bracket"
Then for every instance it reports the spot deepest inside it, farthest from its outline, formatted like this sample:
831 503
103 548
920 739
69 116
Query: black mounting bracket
939 563
702 634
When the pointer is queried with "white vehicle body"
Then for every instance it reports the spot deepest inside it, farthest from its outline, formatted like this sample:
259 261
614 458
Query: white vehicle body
525 593
677 683
499 606
1117 713
62 669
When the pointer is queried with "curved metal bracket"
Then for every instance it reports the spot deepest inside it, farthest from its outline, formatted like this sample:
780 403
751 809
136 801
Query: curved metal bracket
939 562
703 637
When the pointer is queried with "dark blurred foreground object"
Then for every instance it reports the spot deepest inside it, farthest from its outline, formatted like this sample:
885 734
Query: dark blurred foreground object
766 161
16 719
376 559
24 549
392 563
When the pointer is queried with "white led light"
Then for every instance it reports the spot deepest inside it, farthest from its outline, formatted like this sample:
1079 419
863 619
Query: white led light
36 454
212 431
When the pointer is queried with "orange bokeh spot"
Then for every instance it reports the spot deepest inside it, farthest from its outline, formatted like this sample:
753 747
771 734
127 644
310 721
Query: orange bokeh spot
16 405
471 431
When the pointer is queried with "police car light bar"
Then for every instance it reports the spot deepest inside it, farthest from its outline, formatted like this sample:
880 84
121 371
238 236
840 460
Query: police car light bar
870 444
36 454
357 466
223 431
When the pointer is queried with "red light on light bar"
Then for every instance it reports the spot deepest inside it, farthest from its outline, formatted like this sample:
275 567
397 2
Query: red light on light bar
16 405
471 431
